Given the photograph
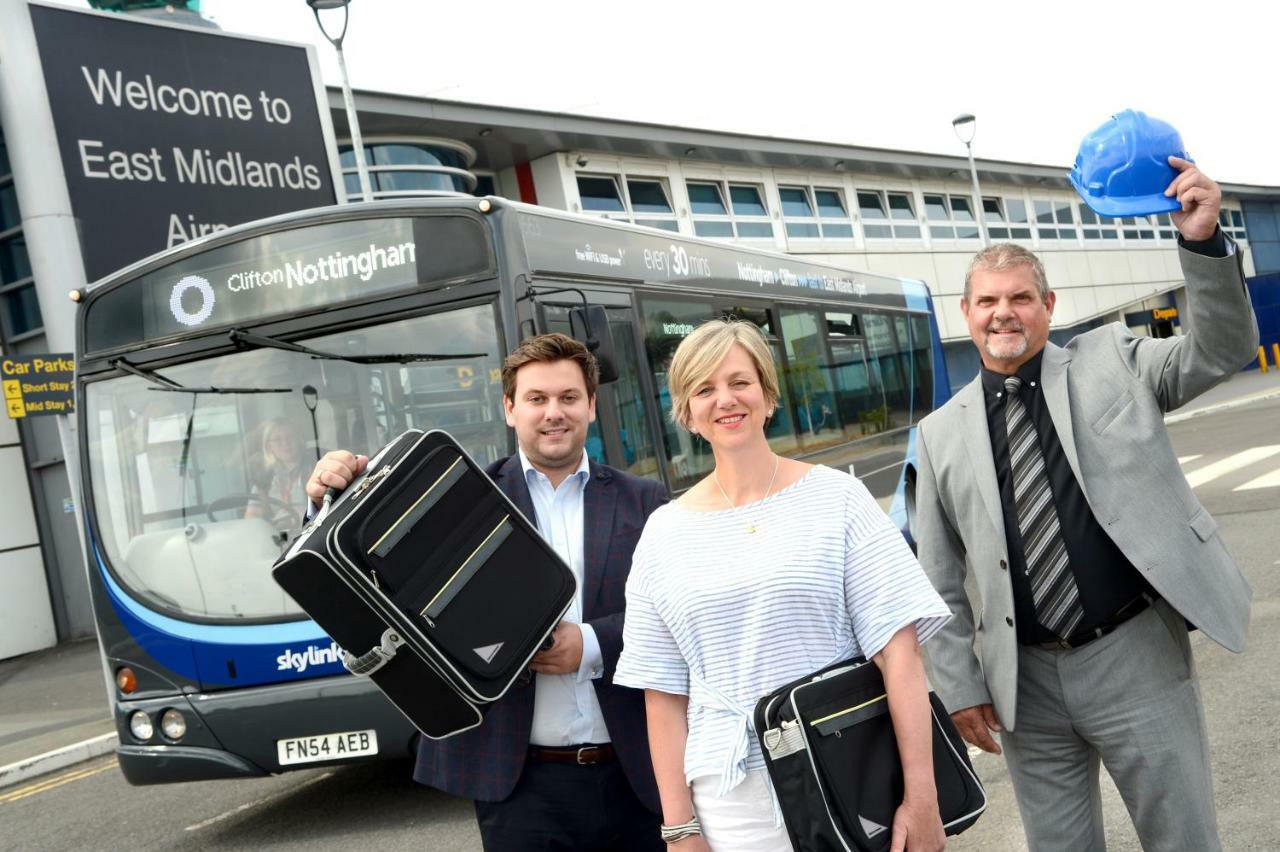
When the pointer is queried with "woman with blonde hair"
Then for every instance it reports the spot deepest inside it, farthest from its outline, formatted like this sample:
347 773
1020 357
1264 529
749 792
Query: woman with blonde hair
280 482
764 571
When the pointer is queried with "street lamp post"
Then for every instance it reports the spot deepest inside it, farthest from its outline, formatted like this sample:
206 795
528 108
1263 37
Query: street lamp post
353 123
966 126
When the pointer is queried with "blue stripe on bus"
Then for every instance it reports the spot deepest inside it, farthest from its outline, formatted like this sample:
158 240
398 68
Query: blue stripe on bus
225 654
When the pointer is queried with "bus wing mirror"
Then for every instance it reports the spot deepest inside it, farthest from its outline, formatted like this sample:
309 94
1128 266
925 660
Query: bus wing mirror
590 325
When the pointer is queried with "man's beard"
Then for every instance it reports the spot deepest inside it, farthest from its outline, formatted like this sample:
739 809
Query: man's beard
1007 354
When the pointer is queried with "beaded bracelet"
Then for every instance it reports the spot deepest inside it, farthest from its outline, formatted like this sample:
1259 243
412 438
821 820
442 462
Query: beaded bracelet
676 833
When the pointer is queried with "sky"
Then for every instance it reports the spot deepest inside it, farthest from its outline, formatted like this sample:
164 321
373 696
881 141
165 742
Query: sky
1038 76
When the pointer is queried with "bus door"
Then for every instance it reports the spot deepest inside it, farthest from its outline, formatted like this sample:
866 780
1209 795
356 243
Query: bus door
623 434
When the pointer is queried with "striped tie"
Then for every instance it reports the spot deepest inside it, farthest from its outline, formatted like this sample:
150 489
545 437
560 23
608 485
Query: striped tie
1053 586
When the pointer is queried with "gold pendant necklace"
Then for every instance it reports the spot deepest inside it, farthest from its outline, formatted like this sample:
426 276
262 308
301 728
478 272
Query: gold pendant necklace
751 526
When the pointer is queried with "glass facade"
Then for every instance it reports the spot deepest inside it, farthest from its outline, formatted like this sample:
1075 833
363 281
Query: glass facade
399 167
19 308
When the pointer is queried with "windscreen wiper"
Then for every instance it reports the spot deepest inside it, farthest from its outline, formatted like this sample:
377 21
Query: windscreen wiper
241 337
162 383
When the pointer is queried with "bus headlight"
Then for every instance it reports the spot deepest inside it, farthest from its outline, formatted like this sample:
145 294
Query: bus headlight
173 724
140 725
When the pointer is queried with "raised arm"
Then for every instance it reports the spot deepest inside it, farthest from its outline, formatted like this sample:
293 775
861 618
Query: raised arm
1221 330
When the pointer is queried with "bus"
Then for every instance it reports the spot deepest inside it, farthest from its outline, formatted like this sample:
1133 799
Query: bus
212 376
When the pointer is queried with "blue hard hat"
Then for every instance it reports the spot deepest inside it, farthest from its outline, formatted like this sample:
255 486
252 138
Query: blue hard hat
1123 166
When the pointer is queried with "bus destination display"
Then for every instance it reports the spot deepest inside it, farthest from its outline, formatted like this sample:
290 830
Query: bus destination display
272 275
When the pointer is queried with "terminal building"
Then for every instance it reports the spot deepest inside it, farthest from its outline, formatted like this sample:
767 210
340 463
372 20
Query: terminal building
901 213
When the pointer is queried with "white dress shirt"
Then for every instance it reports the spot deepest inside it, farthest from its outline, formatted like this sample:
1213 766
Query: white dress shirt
565 708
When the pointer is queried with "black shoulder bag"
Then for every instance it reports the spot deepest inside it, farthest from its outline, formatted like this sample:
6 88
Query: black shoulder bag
830 749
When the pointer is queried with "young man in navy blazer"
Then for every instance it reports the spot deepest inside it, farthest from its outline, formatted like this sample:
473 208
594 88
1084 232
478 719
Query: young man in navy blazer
562 763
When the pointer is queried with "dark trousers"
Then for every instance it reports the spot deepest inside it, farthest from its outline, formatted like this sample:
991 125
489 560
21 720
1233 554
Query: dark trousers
558 806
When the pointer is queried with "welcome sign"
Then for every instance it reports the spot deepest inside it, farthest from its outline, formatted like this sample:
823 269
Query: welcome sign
168 133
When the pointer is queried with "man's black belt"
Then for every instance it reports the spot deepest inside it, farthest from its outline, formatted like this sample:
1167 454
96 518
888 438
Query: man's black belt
585 755
1084 637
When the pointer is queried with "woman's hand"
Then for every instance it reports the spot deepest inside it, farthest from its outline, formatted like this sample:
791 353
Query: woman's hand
917 827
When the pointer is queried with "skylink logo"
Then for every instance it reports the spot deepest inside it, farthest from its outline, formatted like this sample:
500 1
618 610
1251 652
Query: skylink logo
299 661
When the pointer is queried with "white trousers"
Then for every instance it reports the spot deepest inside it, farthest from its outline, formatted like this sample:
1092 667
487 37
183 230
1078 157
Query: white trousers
741 821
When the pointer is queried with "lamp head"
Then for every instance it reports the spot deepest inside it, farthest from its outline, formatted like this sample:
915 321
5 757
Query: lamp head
965 126
324 5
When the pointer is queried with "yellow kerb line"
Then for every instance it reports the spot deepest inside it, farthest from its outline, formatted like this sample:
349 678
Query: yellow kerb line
392 528
848 710
57 781
464 564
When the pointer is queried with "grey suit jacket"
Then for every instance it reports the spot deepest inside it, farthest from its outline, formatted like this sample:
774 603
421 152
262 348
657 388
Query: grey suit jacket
1107 392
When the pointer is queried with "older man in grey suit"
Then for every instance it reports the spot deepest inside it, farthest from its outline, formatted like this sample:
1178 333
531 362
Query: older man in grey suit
1051 477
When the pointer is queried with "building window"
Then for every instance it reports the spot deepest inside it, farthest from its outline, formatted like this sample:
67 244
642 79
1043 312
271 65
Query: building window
651 204
1096 227
600 194
1006 218
9 215
14 263
1137 228
887 215
1053 219
644 202
21 310
950 217
1232 222
1164 226
711 218
815 213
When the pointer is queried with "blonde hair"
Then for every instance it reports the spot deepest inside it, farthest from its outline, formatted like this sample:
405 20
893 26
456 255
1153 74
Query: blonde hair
700 354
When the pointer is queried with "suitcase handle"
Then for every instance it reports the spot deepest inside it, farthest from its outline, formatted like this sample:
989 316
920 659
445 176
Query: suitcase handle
377 656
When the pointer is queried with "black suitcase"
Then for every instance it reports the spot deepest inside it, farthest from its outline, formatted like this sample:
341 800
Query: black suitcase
832 756
433 582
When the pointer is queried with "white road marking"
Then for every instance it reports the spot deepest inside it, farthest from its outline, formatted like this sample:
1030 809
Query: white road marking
1267 480
1232 463
242 808
1187 459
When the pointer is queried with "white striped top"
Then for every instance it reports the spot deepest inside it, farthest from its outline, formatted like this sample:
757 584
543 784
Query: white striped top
725 616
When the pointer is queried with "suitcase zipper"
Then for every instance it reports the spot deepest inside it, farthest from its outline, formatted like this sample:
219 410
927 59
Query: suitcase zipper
370 480
816 722
465 571
415 512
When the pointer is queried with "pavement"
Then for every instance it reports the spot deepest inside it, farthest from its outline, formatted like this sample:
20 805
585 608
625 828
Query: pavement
54 707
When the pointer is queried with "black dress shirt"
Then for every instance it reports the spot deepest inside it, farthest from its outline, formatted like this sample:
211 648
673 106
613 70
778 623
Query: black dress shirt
1106 579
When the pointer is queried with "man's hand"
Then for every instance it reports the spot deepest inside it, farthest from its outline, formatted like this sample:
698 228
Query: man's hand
975 723
1200 197
564 656
335 470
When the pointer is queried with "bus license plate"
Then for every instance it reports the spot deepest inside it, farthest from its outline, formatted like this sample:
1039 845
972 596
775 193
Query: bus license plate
340 746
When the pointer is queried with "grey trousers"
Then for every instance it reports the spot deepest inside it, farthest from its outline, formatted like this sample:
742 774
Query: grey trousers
1130 701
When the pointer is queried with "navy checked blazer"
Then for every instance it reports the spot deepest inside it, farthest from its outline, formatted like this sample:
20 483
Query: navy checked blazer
485 763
